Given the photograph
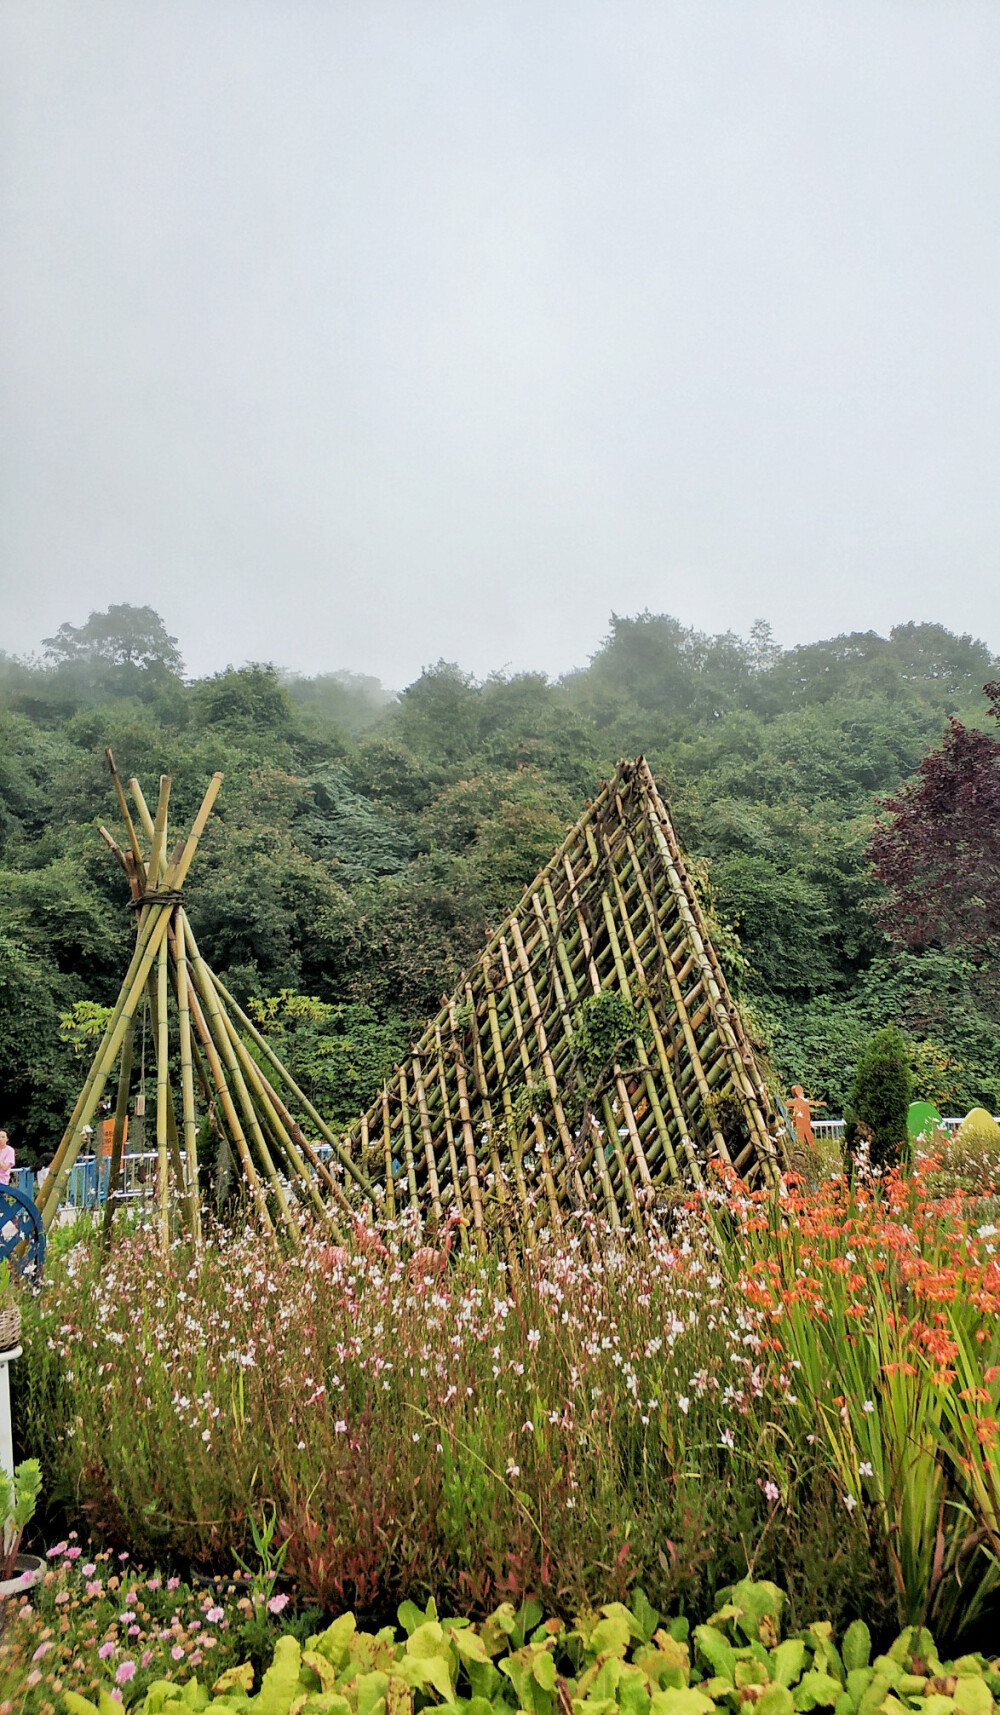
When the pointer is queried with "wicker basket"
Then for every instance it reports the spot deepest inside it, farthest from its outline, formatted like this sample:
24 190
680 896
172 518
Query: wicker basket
10 1326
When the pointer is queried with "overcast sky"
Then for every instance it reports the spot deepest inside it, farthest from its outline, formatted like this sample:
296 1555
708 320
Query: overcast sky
353 334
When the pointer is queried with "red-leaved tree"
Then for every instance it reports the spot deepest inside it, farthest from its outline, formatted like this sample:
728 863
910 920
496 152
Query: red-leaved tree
939 853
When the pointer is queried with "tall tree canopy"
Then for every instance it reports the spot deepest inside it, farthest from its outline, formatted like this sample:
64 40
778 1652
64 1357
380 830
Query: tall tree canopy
938 853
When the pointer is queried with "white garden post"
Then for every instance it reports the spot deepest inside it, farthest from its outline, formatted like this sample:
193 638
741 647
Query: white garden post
6 1431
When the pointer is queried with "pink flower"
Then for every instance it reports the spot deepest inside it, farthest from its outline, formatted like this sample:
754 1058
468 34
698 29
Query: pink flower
106 1649
88 1570
154 1583
43 1649
276 1604
340 1427
94 1588
172 1583
62 1597
34 1676
124 1672
214 1614
177 1653
60 1548
147 1656
73 1553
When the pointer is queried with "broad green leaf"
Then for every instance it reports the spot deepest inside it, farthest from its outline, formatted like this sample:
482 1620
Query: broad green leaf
427 1639
544 1670
398 1697
335 1642
712 1648
613 1633
322 1667
371 1689
788 1661
646 1618
972 1696
281 1679
410 1616
857 1646
776 1700
877 1690
817 1690
674 1702
420 1671
234 1679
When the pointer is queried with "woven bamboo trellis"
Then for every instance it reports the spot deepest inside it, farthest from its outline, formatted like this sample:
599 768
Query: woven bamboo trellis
202 1040
579 1065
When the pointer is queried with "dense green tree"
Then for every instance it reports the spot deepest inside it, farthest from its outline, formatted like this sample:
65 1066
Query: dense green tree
122 636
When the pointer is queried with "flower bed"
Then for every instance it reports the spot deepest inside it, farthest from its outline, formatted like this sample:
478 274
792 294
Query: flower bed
807 1387
96 1621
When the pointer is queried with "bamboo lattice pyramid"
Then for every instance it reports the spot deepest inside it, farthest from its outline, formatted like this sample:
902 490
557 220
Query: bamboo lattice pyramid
197 1027
594 1056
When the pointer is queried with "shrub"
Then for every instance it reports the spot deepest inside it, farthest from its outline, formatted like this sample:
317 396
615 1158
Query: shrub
880 1096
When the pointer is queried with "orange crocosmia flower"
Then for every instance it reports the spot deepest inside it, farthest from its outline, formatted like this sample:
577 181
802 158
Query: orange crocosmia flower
987 1430
903 1369
992 1373
981 1395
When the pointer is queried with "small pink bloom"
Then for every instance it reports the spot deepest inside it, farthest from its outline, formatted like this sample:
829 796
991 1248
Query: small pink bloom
73 1553
94 1588
60 1548
172 1583
124 1672
43 1649
154 1584
106 1649
62 1597
147 1656
276 1604
177 1653
214 1614
88 1570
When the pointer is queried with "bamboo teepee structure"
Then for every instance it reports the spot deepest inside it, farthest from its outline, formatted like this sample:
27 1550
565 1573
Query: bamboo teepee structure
193 1012
592 1059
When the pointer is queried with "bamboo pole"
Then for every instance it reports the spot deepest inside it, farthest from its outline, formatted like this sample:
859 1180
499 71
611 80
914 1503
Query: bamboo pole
118 1138
162 1091
189 1115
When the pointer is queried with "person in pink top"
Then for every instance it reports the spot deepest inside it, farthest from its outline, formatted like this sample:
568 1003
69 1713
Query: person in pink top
6 1159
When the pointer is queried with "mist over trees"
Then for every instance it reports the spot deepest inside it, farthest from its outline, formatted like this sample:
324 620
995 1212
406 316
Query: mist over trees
366 841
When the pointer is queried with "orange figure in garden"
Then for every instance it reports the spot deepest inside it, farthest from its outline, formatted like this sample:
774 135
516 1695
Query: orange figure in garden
802 1116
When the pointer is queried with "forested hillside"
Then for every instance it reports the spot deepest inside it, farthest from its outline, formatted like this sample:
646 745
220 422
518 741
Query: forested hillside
365 842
